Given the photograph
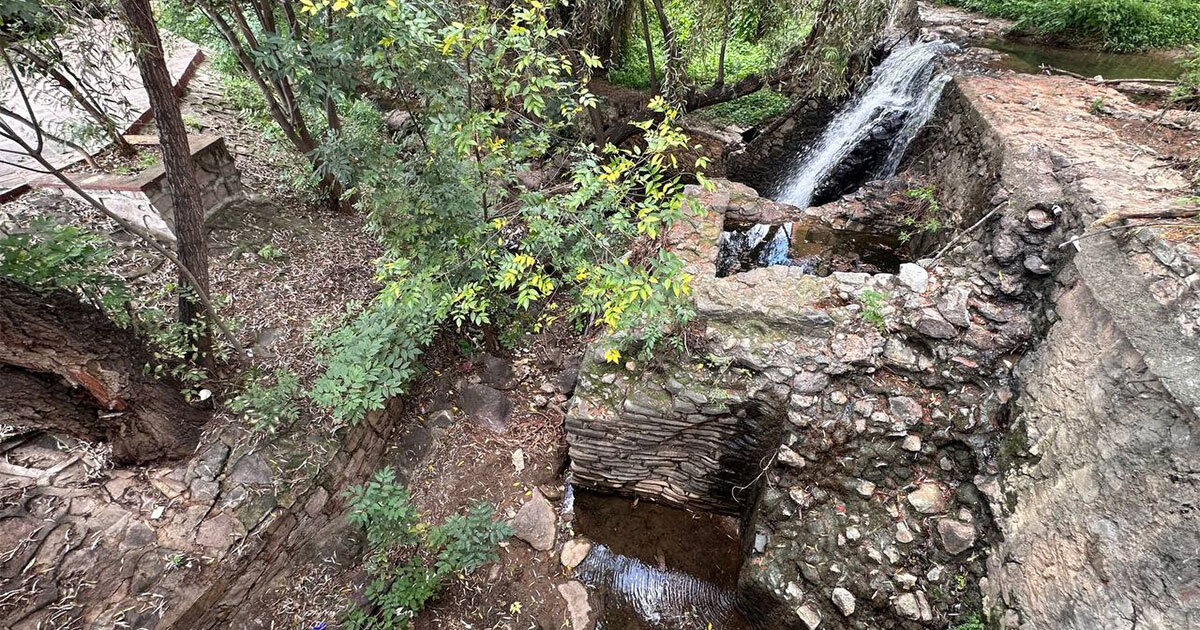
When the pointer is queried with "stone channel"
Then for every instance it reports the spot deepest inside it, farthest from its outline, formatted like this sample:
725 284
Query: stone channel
910 450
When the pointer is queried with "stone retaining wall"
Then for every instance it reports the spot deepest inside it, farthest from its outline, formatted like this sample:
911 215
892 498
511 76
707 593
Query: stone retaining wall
145 199
914 440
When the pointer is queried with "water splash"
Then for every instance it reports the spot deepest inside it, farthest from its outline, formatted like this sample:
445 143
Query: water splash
658 596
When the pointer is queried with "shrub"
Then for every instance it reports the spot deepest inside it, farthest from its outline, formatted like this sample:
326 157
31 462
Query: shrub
268 403
872 308
408 558
1187 93
50 256
1118 25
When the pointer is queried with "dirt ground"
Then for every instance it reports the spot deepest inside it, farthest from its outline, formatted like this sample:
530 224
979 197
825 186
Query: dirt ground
285 268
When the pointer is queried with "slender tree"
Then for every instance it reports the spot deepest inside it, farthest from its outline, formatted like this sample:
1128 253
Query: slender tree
177 159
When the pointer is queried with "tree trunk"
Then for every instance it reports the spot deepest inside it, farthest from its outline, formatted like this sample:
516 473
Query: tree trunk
649 44
177 160
724 44
65 366
672 68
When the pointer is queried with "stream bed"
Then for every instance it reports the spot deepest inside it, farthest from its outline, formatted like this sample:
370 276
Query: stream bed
654 566
1028 58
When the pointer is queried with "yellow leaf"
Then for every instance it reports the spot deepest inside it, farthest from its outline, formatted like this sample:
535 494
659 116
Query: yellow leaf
612 355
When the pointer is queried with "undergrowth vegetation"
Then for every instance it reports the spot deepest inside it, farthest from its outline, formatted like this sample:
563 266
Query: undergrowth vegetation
1117 25
409 558
758 34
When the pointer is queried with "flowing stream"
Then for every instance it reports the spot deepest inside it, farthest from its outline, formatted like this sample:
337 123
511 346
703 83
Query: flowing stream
902 90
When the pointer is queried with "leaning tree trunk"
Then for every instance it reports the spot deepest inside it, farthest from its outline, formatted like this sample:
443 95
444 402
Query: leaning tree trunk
176 156
65 366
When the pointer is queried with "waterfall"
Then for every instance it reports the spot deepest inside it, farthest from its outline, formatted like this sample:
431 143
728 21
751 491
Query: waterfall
899 89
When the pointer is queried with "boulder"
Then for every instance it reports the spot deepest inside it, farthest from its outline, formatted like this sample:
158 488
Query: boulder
535 522
578 608
485 406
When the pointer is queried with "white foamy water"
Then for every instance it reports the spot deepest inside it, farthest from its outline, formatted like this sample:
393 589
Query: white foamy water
903 84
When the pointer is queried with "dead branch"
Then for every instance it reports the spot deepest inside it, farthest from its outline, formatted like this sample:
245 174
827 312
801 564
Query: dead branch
1169 213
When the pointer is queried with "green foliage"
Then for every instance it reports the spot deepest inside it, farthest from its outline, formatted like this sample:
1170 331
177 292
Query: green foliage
468 243
268 403
972 623
1097 106
409 559
751 109
173 345
147 159
925 218
872 308
1117 25
269 253
1187 93
50 256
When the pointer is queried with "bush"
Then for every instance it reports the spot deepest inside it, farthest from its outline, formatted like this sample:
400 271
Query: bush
751 109
1187 93
1117 25
408 558
50 256
268 405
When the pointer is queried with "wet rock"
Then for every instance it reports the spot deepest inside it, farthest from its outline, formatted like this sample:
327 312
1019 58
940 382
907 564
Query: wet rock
844 600
907 606
928 499
578 607
485 406
956 537
574 551
534 522
914 276
953 306
931 324
810 616
552 491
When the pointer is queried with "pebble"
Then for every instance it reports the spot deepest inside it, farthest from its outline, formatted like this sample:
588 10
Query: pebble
844 600
809 616
912 442
903 533
906 605
928 499
956 537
